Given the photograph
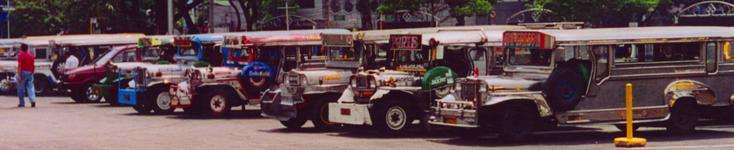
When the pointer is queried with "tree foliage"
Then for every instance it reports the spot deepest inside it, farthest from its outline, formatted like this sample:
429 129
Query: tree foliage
599 12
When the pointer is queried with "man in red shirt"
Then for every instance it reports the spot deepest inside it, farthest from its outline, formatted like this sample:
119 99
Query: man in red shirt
26 67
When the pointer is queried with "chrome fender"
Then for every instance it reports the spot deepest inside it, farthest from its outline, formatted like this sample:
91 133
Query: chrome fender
689 89
536 97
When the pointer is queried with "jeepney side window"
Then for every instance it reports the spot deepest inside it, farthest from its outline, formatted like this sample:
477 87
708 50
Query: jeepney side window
340 53
601 54
711 57
728 54
661 52
479 57
125 56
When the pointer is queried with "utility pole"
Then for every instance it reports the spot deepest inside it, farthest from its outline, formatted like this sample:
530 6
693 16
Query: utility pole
7 8
211 16
169 5
287 17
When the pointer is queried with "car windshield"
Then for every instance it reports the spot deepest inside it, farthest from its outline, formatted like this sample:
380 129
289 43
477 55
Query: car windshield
529 57
341 54
106 56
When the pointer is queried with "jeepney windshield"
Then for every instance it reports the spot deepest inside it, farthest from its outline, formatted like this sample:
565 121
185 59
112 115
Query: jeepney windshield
529 57
187 51
8 53
341 54
407 57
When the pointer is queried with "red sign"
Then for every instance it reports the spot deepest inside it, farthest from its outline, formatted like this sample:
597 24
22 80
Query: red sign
182 41
527 39
405 42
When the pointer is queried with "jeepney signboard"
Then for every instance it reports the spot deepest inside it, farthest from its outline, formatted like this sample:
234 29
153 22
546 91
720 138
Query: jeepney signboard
528 40
405 42
337 40
182 41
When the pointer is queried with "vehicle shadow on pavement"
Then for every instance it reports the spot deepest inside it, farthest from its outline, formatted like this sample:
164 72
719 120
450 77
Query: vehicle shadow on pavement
234 114
583 138
417 131
67 103
305 129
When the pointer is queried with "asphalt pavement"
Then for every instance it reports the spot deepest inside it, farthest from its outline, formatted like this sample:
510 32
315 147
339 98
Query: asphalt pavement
59 123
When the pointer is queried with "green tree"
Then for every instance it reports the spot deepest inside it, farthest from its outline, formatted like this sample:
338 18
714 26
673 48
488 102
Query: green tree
599 12
463 8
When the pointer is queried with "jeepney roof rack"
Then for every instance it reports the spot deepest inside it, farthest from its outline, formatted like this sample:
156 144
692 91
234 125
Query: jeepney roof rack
554 25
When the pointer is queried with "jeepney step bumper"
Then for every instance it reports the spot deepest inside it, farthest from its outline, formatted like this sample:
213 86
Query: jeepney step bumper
349 113
272 106
454 117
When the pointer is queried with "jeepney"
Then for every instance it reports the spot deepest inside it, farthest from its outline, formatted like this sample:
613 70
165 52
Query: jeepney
288 102
8 53
157 49
576 77
199 49
216 90
319 85
420 68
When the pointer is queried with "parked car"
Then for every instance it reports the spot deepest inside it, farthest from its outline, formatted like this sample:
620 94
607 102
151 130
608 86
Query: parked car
577 77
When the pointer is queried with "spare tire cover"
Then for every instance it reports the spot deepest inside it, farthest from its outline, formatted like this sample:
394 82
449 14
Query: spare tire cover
566 85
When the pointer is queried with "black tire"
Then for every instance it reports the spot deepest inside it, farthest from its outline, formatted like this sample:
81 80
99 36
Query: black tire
41 84
89 95
217 102
516 122
160 100
294 123
320 116
391 117
683 117
142 108
77 94
565 86
255 85
623 127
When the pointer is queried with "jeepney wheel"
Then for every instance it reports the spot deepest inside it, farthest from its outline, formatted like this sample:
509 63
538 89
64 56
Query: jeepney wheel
683 117
392 117
256 84
142 108
6 86
516 122
161 101
41 83
90 95
294 123
320 116
218 102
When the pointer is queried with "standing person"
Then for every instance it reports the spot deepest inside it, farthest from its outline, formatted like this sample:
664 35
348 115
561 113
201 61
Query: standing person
26 67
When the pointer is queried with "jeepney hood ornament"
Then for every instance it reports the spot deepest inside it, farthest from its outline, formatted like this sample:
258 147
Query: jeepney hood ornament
393 78
324 76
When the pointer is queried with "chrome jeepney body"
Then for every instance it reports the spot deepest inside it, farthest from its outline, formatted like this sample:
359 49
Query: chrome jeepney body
696 74
410 86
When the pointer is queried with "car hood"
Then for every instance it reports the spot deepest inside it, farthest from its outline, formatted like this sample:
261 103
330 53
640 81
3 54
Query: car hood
507 82
325 76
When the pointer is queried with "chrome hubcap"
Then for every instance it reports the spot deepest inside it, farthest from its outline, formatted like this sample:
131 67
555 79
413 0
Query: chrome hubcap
396 118
91 95
163 100
217 103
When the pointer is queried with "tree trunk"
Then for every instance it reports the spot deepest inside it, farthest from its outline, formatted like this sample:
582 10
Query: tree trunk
237 11
251 12
367 20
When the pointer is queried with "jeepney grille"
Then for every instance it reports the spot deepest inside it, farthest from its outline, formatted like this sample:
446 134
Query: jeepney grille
294 80
469 90
363 88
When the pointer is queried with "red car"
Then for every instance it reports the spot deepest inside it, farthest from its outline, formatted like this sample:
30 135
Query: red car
80 80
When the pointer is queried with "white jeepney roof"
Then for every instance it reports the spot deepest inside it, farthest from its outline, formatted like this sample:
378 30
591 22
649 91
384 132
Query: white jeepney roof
637 35
85 39
9 42
383 36
291 37
470 35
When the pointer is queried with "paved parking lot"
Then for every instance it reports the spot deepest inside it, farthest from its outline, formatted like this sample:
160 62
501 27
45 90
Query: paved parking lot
58 123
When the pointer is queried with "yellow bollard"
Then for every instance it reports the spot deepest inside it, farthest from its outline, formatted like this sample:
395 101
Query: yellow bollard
629 140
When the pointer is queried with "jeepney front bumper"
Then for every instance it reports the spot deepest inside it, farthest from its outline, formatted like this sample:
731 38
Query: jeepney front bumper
283 103
448 113
181 95
350 113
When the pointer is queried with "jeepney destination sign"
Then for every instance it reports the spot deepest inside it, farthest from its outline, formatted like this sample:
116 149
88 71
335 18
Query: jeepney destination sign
342 40
527 39
405 42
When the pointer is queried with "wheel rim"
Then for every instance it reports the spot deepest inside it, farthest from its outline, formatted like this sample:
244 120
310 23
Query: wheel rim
4 85
91 95
396 118
38 86
163 100
217 103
